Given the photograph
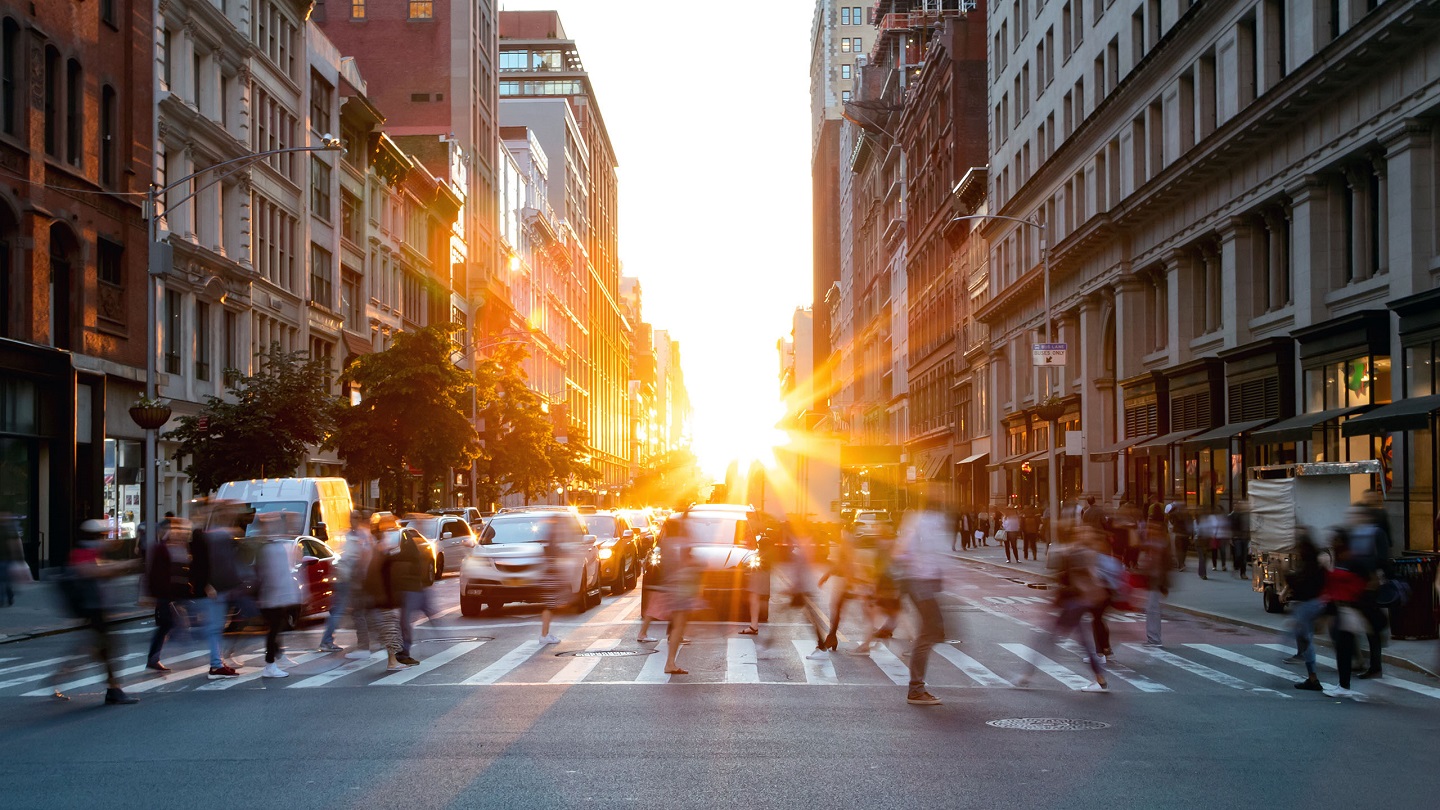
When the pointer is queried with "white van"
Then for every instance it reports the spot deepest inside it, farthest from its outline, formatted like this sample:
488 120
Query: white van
320 506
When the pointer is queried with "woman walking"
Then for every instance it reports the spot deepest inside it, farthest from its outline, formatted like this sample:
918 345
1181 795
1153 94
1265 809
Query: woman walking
381 591
1307 583
1079 593
1344 591
682 586
276 561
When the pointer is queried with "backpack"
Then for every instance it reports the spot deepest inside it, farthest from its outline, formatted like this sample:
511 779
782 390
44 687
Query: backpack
1110 574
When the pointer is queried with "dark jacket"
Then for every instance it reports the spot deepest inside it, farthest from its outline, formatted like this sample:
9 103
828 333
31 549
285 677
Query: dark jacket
215 563
380 581
165 577
413 569
1307 581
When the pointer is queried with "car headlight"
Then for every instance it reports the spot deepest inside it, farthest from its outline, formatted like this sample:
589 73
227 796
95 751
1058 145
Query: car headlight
606 553
479 561
752 562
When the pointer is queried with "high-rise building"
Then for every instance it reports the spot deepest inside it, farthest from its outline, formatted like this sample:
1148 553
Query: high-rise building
538 62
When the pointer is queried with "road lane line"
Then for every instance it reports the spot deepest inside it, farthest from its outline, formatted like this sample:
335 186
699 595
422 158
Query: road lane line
179 675
654 669
741 663
580 668
976 670
1419 689
895 669
1119 670
347 668
507 663
227 683
1244 660
428 664
36 665
94 679
817 672
1045 665
1203 671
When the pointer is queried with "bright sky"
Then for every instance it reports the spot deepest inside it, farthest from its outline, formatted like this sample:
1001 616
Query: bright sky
708 105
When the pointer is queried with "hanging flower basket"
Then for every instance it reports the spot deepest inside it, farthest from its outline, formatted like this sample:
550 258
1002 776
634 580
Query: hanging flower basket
150 414
1048 411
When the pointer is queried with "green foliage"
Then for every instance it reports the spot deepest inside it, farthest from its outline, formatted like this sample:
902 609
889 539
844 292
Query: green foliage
265 426
412 413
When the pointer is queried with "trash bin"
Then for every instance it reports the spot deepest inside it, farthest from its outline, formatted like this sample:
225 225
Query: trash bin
1416 619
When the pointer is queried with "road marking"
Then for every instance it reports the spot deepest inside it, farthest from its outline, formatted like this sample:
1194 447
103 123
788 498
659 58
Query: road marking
227 683
347 668
895 669
1243 660
741 663
976 670
430 664
94 679
820 671
9 658
579 668
1119 670
176 676
1047 666
505 665
1419 689
654 669
614 611
36 665
1203 671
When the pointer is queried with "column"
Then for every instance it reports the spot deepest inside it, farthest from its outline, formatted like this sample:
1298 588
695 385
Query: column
1236 280
1357 179
1091 360
1313 261
1130 326
1382 219
1409 203
1277 258
1181 310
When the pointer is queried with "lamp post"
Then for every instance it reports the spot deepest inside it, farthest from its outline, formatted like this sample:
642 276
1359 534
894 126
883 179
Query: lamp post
1052 476
158 264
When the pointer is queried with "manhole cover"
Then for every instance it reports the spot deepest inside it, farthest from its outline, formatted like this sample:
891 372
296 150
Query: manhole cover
603 653
454 639
1047 724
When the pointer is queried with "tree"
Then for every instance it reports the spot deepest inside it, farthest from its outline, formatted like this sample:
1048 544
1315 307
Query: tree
264 427
411 414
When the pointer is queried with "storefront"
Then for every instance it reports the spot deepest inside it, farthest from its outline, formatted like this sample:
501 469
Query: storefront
1196 405
37 448
1143 475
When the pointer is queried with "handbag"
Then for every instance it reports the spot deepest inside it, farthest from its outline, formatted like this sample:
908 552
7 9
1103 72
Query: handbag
1392 593
1352 620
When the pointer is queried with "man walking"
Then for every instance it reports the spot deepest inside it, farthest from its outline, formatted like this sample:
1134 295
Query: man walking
919 550
214 574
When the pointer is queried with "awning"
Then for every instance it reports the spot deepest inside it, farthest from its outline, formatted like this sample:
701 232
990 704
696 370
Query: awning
1159 445
938 463
356 345
974 458
1299 428
1407 414
1109 453
1221 436
1018 460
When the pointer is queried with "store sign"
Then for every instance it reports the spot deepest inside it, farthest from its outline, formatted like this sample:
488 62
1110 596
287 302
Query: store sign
1049 354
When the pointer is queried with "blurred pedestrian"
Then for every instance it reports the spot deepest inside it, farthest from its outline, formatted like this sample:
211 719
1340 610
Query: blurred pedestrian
382 596
276 562
1181 524
215 576
81 591
14 570
1240 538
682 585
1369 552
1344 589
414 574
1030 532
919 557
1307 584
844 582
559 543
1079 592
1010 527
167 578
1154 565
349 594
770 551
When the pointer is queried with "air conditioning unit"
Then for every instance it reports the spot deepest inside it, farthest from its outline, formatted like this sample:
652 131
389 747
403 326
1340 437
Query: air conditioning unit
969 5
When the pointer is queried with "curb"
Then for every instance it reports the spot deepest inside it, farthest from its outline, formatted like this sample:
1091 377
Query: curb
1388 658
27 636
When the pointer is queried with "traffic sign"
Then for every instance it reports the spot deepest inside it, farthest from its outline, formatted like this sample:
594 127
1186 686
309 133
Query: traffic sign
1049 354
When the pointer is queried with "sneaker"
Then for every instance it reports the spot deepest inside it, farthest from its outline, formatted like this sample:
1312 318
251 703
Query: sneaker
407 660
221 672
1293 659
922 698
647 640
330 646
818 655
1095 687
273 671
114 696
1098 658
549 639
358 655
285 661
1311 684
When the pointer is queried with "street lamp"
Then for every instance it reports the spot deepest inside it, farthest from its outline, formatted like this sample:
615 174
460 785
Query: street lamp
158 265
1053 501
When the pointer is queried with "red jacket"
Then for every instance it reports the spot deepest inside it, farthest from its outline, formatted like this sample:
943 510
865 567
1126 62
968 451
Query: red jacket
1343 585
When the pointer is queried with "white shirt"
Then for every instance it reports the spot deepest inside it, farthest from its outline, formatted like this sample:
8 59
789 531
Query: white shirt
921 543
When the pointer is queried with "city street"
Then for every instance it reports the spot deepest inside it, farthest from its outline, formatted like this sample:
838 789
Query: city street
490 719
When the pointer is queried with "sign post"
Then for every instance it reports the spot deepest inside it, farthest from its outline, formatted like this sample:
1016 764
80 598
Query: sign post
1048 354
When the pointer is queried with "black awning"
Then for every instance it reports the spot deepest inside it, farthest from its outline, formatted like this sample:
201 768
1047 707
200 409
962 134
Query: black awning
1407 414
1221 436
1111 452
1299 428
1016 461
938 464
971 459
1159 445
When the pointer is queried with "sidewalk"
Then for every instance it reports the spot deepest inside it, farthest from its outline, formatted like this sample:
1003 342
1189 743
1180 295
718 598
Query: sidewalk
37 610
1224 598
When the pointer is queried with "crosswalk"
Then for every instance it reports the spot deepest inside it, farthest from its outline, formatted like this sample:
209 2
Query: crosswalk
608 659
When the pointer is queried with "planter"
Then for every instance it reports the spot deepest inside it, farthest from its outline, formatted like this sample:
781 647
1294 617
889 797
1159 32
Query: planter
1048 412
150 417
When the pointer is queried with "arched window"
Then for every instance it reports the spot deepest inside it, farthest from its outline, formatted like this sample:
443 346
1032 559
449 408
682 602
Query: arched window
64 258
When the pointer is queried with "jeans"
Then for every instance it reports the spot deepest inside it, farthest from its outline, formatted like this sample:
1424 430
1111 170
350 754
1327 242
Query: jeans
1011 550
217 609
1097 626
274 624
338 601
1240 551
1152 618
413 602
165 610
1305 615
1182 547
1344 652
1031 545
925 594
1068 623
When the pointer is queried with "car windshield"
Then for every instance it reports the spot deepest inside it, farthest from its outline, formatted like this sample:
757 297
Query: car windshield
600 525
506 531
873 516
277 517
429 527
637 518
721 529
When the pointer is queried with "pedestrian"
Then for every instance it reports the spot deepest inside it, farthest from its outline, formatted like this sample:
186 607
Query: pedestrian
167 578
349 571
1010 526
81 591
1078 593
414 573
1220 539
1030 532
276 562
1154 564
1307 584
770 552
1110 572
1240 538
845 585
1344 588
1182 531
14 570
682 585
919 555
215 576
381 594
558 541
1369 551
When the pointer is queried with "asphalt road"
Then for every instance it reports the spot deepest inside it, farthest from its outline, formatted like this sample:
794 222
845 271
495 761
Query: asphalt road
1213 723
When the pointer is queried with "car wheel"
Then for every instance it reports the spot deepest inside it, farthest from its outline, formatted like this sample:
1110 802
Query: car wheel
628 574
292 619
471 608
1272 600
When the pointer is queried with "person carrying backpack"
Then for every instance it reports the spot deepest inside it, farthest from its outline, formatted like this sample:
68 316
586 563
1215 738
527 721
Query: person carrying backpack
1080 592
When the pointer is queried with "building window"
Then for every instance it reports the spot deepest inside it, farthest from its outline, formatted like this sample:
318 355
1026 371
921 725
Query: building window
322 277
172 332
52 100
845 45
422 9
10 61
233 364
357 9
352 305
322 95
844 96
108 135
844 71
320 177
109 267
350 217
844 15
202 341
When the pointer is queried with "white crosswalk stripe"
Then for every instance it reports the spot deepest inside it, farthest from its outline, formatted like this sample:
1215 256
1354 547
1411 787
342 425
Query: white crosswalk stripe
819 671
1119 670
347 668
43 666
653 670
1047 666
505 665
976 670
231 683
1398 683
1203 671
741 665
894 669
428 664
100 678
579 668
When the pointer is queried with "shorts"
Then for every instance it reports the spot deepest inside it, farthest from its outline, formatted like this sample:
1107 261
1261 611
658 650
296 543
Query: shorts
758 582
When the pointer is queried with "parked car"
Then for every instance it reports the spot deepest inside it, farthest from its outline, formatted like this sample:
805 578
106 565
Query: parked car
316 574
725 542
508 562
450 538
618 550
469 514
874 523
647 529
